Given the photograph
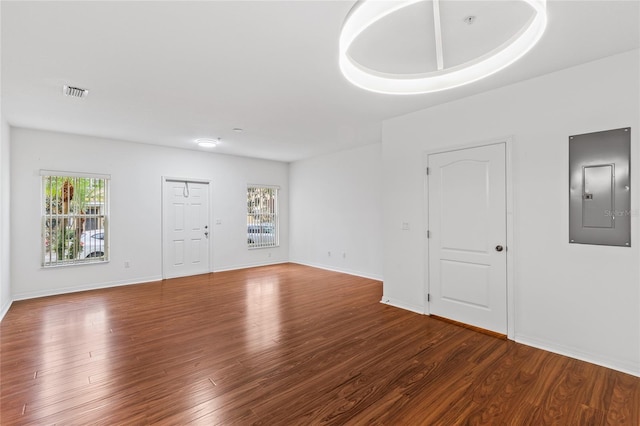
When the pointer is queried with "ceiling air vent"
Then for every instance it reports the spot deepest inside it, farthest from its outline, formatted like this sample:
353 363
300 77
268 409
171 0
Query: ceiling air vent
75 92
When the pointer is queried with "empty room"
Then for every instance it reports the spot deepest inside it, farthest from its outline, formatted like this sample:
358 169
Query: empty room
402 212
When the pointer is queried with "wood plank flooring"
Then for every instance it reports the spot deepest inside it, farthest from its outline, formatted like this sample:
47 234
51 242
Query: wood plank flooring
281 345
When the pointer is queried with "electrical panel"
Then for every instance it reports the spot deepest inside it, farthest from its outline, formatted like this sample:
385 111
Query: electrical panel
600 188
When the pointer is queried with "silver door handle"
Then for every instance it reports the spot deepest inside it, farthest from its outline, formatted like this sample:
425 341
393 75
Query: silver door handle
499 248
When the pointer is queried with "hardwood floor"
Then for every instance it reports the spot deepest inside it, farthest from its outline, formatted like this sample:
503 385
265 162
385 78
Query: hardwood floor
281 345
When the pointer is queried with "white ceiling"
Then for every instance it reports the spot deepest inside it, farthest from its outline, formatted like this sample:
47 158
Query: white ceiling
167 73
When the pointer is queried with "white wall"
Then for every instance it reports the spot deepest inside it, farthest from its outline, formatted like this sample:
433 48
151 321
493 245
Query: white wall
5 283
336 207
136 180
580 300
5 247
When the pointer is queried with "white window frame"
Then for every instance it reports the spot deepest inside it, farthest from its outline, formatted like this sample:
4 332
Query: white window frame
57 208
263 221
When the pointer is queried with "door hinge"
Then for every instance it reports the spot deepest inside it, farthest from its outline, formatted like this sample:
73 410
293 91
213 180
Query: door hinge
428 297
428 234
427 171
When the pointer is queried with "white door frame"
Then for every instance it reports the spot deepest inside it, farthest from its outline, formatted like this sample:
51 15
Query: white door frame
508 142
208 182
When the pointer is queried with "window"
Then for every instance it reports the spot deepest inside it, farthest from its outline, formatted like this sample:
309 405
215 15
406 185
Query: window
262 216
75 210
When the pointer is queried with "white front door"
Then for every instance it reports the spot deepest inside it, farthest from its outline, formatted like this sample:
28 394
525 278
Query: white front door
186 230
467 236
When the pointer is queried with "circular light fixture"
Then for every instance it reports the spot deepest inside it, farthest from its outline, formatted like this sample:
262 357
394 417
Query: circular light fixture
207 143
367 12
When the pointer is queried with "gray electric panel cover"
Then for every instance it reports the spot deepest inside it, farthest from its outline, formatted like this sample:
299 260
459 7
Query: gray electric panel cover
600 188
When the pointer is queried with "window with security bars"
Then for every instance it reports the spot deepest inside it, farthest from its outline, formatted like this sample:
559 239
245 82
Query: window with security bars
75 218
262 216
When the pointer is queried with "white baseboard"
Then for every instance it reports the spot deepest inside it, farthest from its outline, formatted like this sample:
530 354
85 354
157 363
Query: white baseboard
342 270
248 265
619 365
5 309
97 286
402 305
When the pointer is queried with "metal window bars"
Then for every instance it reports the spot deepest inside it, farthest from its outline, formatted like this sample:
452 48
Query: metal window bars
262 216
74 219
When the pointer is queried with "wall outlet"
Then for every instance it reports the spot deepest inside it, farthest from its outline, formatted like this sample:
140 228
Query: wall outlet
127 264
329 253
344 254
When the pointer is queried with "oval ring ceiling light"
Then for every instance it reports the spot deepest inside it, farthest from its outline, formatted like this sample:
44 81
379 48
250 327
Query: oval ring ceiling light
367 12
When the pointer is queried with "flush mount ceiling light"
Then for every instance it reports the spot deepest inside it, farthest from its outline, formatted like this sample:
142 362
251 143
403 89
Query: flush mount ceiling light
367 12
207 143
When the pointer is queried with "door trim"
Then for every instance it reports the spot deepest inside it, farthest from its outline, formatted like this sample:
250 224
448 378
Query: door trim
209 183
511 247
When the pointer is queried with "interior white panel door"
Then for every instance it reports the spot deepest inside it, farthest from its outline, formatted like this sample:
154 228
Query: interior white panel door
467 236
185 228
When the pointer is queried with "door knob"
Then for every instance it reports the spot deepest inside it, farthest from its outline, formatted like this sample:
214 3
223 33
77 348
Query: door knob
499 248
